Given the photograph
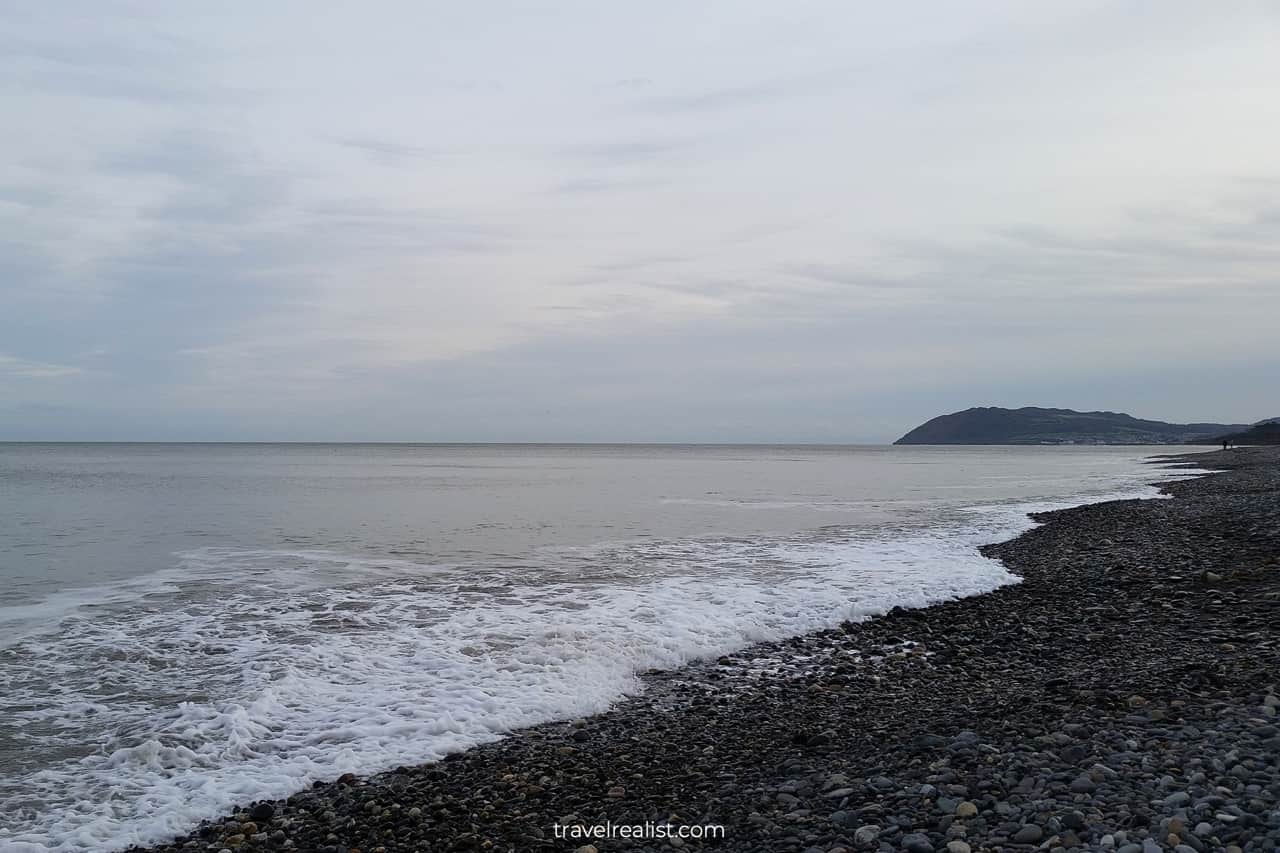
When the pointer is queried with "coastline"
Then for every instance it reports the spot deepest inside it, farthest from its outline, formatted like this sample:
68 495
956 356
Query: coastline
1082 704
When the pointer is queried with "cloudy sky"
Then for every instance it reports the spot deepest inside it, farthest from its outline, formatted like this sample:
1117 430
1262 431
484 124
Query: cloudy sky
631 221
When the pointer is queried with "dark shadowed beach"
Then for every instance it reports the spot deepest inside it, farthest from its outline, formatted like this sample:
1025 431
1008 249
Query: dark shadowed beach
1123 696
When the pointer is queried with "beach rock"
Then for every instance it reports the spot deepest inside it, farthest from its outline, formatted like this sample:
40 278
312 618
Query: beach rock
916 842
866 835
1028 834
1083 785
821 738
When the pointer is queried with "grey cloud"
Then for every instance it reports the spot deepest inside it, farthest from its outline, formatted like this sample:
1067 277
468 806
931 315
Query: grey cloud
626 151
849 276
27 196
190 156
1207 243
21 264
28 369
389 153
370 225
592 186
1040 264
115 65
762 91
137 86
643 262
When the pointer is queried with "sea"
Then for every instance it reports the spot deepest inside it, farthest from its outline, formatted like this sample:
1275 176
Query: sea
187 627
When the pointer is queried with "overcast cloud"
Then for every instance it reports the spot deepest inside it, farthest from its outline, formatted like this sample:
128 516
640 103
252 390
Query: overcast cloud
592 221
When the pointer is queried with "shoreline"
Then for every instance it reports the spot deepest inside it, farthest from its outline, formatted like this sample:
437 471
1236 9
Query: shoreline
984 723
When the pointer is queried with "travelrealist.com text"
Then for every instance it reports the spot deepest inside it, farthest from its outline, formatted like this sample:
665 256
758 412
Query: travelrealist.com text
647 830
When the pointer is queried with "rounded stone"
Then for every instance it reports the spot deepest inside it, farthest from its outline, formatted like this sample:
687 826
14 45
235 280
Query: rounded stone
866 835
917 842
1083 785
1029 834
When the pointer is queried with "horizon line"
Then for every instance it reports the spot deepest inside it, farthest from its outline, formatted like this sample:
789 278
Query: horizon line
465 443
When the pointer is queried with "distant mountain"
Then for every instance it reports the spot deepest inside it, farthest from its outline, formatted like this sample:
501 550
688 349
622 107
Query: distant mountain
1263 432
1031 425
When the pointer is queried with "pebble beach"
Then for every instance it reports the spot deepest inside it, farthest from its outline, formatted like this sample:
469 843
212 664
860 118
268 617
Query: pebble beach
1123 696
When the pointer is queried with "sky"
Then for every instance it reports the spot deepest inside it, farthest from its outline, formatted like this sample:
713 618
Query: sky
659 221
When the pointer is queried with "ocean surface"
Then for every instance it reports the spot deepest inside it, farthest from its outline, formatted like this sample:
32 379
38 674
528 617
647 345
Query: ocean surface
187 627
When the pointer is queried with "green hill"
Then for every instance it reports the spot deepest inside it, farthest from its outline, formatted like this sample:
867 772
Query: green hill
1263 432
1032 425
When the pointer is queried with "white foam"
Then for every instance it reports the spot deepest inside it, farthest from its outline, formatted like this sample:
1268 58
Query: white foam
300 681
278 568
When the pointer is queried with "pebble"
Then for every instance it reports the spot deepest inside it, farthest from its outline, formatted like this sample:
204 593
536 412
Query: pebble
866 835
917 842
1083 785
1029 834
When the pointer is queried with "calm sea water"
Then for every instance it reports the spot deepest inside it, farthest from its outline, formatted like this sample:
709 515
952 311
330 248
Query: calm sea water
184 627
